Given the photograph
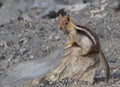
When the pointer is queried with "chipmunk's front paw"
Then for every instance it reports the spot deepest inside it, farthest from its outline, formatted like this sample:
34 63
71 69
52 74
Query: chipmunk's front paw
67 53
68 46
83 53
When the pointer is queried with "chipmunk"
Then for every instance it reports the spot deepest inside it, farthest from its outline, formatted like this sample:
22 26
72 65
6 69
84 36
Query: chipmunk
83 37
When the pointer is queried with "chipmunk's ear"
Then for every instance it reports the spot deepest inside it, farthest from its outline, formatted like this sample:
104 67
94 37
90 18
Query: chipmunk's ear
68 17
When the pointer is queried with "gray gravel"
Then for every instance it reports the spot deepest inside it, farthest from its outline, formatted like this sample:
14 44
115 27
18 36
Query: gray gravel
30 36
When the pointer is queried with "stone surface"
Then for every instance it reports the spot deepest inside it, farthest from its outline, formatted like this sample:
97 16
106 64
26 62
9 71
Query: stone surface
75 66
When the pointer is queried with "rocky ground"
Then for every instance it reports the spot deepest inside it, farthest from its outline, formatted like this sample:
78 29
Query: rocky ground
29 31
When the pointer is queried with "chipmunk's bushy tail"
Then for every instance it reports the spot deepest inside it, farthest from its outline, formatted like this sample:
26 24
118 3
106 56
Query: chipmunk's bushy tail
106 65
31 69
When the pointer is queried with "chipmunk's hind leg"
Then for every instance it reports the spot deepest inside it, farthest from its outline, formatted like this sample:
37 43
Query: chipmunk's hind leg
86 46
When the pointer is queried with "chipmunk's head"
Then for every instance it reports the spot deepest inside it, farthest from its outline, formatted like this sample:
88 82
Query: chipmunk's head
63 21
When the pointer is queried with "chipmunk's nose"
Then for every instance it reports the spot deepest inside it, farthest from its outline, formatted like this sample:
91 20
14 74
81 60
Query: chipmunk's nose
60 28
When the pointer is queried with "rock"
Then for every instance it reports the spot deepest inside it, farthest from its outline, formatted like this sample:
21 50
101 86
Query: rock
57 37
75 7
73 66
35 81
10 10
26 17
54 14
23 50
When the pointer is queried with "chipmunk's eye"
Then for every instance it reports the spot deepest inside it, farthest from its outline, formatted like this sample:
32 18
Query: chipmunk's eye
66 23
